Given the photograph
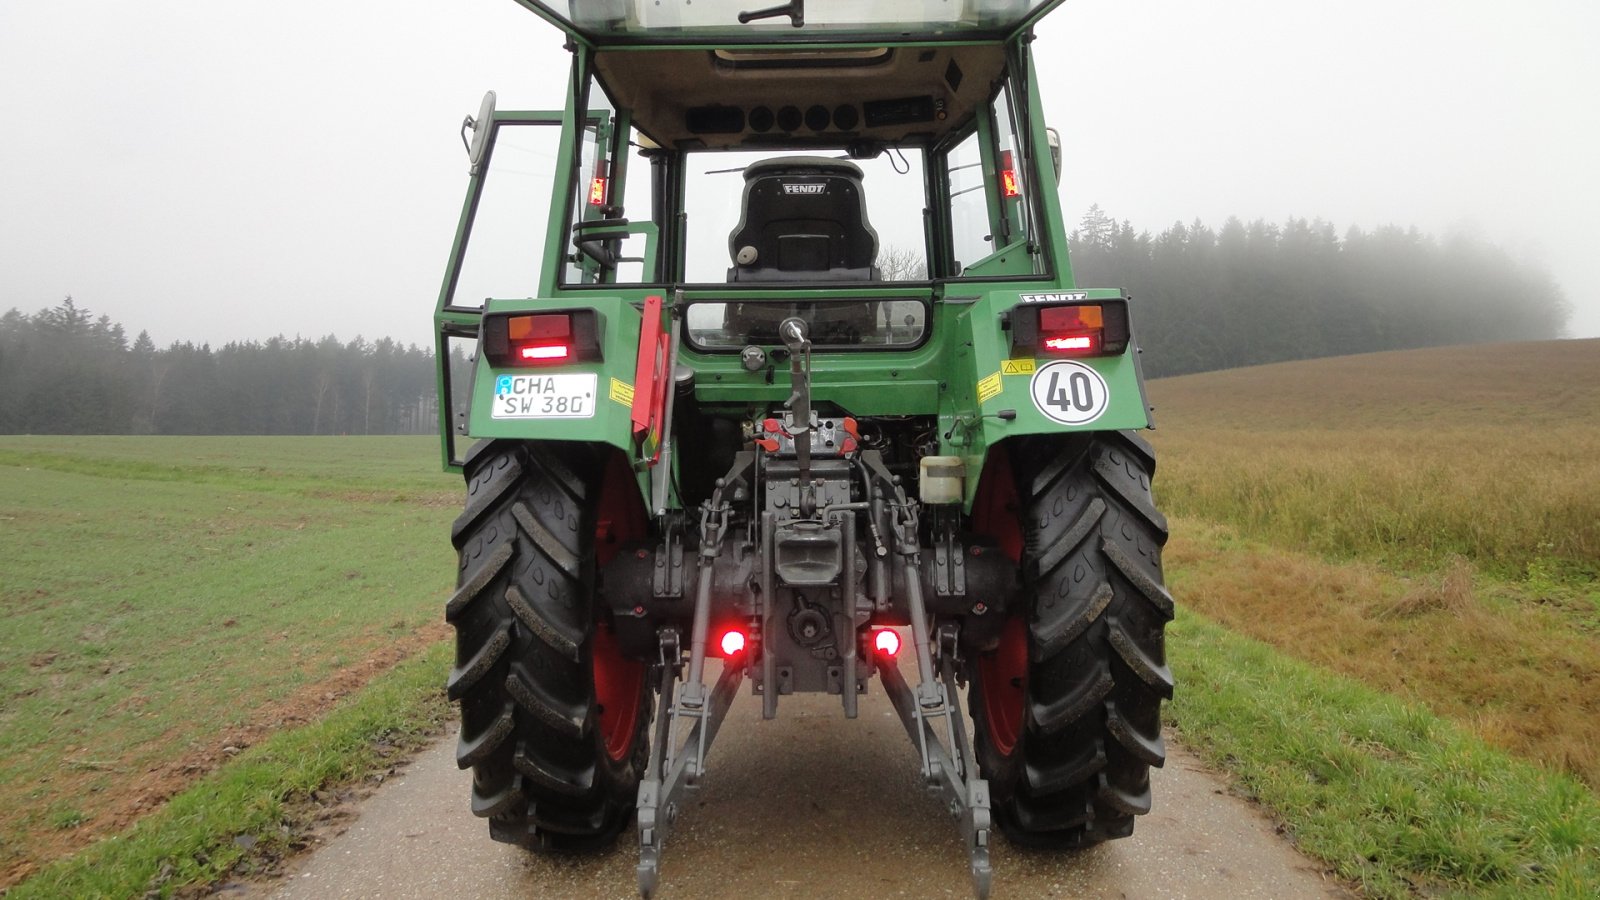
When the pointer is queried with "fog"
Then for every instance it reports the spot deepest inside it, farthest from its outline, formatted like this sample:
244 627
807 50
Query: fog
216 172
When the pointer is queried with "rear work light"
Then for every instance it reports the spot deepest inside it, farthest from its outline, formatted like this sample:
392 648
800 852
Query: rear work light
600 184
1098 328
732 642
542 338
886 642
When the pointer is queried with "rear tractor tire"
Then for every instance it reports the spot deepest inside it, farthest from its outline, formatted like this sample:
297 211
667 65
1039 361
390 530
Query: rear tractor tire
553 716
1067 707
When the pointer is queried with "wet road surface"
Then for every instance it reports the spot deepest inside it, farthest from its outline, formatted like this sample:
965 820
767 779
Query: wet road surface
808 805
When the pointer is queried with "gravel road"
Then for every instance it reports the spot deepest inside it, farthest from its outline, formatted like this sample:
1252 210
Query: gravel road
810 804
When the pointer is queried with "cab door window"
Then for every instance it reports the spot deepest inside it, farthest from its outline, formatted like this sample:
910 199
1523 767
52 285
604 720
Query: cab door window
990 197
510 212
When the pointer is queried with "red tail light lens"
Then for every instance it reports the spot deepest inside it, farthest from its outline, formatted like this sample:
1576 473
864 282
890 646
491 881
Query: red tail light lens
1071 329
543 352
1099 328
541 339
1071 318
1072 343
732 642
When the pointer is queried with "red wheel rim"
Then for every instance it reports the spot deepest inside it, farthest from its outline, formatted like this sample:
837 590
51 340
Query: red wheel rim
1002 674
1003 679
618 684
618 680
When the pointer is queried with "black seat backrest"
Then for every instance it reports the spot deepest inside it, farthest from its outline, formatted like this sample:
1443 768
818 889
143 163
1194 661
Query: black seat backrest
805 219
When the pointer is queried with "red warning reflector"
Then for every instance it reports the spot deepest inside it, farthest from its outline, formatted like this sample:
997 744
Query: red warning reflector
886 642
597 191
1071 318
732 642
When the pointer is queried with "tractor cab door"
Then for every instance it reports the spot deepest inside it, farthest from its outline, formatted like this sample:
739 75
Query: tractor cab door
546 208
498 240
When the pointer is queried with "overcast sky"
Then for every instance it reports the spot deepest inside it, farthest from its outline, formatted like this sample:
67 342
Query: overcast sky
216 171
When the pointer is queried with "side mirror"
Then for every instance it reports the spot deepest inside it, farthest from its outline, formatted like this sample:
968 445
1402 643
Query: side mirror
1053 138
481 125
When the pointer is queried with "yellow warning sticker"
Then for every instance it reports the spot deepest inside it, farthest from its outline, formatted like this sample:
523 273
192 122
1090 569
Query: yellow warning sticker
989 387
622 393
1016 367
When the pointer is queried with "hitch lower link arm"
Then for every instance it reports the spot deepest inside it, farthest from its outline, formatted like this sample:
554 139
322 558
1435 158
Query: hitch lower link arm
673 766
949 771
947 766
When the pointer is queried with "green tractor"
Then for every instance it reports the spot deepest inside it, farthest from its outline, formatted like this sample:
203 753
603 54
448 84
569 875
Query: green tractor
801 373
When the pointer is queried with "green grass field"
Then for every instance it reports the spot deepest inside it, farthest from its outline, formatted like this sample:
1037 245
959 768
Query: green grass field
168 601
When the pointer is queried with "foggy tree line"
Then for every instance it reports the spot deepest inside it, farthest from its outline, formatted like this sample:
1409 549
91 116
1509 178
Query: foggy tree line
1245 294
1202 299
63 371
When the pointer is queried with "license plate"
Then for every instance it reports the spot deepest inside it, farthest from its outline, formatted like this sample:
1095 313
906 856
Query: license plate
567 395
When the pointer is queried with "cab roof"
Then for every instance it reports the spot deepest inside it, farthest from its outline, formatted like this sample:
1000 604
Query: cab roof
602 23
803 74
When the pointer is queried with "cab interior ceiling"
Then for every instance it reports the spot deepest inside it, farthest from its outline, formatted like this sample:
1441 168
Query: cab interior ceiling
694 99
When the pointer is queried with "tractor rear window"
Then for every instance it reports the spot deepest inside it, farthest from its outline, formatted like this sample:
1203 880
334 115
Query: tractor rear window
820 218
833 324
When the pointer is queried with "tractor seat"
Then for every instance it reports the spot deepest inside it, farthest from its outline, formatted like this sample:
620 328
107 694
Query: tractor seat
804 219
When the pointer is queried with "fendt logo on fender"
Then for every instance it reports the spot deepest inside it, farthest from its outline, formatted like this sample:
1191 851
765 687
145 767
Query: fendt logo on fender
1067 297
805 189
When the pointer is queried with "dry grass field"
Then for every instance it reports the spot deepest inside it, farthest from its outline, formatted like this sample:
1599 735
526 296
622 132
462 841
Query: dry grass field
1490 453
1428 522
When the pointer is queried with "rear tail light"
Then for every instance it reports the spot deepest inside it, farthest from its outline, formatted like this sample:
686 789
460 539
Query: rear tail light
541 339
1069 329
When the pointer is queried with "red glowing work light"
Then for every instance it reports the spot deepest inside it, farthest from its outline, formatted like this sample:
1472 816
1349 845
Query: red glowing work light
597 191
732 642
886 642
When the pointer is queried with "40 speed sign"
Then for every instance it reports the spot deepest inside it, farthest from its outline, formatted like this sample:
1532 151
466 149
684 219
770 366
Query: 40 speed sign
1069 392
